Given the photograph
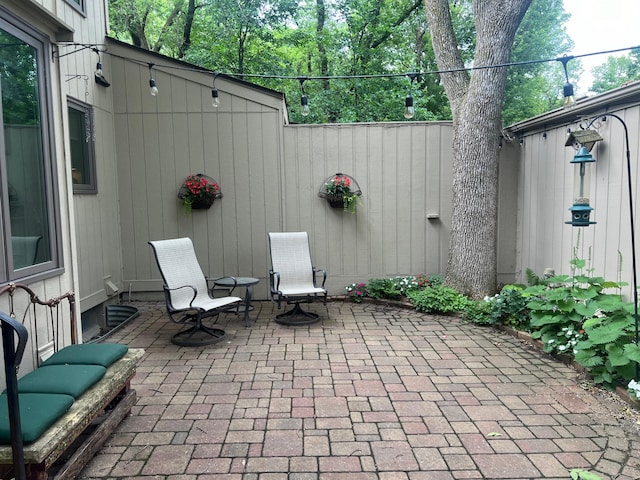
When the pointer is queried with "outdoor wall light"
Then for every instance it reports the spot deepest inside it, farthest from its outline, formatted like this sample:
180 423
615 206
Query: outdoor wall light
569 99
153 89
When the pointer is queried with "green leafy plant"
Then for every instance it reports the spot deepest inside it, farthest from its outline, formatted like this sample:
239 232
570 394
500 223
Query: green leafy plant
478 313
509 307
575 315
435 280
579 474
383 288
438 299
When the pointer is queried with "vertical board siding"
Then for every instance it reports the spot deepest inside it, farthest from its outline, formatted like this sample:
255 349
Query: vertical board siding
270 175
398 168
546 194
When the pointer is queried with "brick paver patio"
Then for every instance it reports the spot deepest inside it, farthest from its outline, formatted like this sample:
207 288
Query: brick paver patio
371 392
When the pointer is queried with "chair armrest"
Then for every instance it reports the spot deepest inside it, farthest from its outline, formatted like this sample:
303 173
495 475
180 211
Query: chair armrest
274 281
223 287
167 294
324 276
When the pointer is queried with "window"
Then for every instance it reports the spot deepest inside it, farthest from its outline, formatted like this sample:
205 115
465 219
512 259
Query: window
78 5
83 158
29 232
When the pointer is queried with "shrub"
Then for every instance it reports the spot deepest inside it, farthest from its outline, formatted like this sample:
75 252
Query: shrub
509 307
574 315
438 299
383 288
478 312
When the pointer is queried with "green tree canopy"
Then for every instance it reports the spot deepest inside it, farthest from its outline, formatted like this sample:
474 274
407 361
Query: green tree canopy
363 38
616 71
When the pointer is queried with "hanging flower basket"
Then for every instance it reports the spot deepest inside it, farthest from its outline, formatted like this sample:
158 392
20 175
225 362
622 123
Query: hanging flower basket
198 192
335 201
202 203
341 191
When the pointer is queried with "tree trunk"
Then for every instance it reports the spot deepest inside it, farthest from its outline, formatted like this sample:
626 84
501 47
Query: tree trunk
322 52
188 26
476 102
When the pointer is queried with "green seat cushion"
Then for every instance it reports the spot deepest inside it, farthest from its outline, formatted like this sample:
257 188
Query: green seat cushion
71 380
88 354
38 411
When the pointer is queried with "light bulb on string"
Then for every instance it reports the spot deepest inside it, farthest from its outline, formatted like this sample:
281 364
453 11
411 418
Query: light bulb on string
99 74
215 99
304 100
304 106
569 100
153 88
409 109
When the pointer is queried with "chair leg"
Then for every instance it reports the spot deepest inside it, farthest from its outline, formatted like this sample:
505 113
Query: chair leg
293 316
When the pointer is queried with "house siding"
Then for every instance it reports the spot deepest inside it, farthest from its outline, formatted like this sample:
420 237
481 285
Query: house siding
546 193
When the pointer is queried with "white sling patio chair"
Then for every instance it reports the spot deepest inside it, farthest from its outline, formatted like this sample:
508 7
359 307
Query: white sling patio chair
293 278
188 297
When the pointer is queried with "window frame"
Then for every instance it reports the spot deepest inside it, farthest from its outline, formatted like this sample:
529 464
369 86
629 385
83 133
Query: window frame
79 5
54 266
87 110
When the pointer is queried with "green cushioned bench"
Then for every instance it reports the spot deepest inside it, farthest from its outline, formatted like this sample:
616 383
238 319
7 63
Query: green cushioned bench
111 395
55 418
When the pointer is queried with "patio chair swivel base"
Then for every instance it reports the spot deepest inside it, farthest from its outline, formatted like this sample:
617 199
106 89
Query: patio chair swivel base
297 316
198 336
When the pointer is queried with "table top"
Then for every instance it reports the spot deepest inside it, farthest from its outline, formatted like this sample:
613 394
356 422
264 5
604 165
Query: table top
240 281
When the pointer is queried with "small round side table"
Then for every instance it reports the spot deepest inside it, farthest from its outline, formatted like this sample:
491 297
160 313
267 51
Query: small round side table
248 283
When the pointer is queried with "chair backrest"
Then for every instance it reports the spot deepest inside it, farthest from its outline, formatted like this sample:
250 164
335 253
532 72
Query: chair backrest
291 258
179 266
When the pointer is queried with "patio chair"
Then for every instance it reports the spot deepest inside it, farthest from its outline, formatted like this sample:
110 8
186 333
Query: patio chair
188 297
293 278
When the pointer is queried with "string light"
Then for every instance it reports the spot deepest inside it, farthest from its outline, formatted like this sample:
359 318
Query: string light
98 74
152 83
409 109
304 100
569 100
568 90
215 100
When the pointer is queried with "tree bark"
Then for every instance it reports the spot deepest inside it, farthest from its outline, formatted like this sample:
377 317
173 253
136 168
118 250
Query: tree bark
476 103
322 51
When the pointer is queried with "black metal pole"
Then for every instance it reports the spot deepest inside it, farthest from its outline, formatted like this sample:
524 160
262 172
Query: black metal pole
12 359
632 224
